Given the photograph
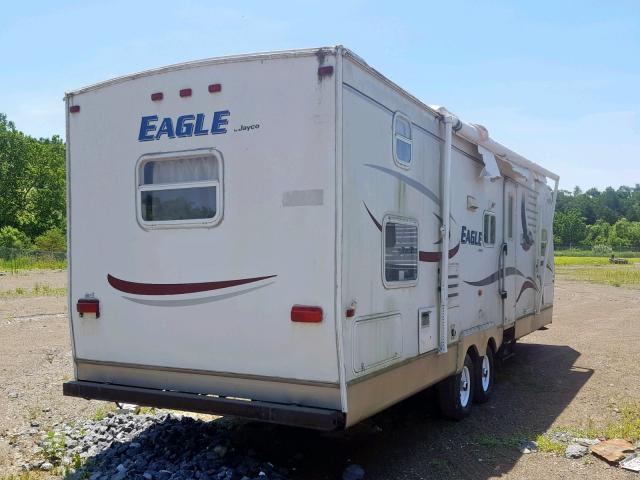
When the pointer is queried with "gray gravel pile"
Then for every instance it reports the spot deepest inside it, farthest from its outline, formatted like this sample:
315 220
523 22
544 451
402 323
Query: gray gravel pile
156 447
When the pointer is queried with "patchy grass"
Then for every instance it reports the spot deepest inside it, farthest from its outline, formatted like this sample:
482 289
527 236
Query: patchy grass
16 265
22 476
546 445
590 253
99 415
566 261
626 425
616 275
39 290
53 450
146 410
53 446
76 464
599 270
101 412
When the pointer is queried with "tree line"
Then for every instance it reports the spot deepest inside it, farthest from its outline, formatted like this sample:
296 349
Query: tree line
32 190
598 218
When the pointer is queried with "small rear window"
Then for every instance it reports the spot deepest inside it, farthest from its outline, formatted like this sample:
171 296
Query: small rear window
402 140
179 190
489 229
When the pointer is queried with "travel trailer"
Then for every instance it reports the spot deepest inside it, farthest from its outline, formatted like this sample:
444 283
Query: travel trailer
294 238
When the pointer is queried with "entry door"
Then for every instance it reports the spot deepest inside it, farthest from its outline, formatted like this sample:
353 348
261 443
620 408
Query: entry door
509 252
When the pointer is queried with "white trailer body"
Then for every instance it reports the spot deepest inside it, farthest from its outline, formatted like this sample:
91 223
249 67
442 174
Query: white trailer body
261 236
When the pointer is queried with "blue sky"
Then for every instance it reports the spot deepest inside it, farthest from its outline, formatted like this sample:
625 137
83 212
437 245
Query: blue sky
557 81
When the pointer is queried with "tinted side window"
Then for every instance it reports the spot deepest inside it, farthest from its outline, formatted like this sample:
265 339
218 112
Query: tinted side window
400 251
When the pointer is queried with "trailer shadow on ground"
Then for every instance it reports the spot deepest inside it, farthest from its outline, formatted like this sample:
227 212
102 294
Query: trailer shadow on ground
411 440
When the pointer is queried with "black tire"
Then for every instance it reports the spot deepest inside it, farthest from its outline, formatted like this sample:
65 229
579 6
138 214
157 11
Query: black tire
480 393
449 393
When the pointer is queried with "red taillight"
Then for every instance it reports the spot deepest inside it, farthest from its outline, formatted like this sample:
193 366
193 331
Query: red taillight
88 305
185 92
215 87
74 108
302 313
156 97
326 70
351 312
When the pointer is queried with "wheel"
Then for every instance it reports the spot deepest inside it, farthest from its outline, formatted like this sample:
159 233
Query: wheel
455 393
483 377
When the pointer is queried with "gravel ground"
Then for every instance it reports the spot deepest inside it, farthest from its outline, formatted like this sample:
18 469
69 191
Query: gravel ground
580 370
161 446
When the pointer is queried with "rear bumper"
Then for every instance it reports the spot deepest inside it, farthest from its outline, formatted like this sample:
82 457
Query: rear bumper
284 414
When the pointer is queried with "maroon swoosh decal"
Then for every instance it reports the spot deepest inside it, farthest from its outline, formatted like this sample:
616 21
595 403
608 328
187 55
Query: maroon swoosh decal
527 284
423 256
495 276
372 217
176 288
436 256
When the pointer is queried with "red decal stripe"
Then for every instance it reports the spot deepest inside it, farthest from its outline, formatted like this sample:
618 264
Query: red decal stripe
423 256
527 284
176 288
436 256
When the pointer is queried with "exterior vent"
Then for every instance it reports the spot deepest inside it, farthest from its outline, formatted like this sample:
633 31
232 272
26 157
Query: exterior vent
454 285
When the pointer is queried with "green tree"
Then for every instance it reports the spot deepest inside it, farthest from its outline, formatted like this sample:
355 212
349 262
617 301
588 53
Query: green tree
609 206
598 233
53 240
15 154
32 181
11 237
45 203
570 227
623 234
634 235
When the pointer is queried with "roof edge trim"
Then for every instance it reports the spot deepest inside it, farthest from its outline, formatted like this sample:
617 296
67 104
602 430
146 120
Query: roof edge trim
247 57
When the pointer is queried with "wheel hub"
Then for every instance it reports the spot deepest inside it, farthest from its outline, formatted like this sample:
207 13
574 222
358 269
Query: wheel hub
465 380
486 373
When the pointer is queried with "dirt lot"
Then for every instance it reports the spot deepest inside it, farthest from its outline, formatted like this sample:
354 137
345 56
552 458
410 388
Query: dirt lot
582 369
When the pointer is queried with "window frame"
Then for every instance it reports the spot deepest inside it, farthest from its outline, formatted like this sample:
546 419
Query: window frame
395 136
405 221
177 155
544 241
491 214
510 211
